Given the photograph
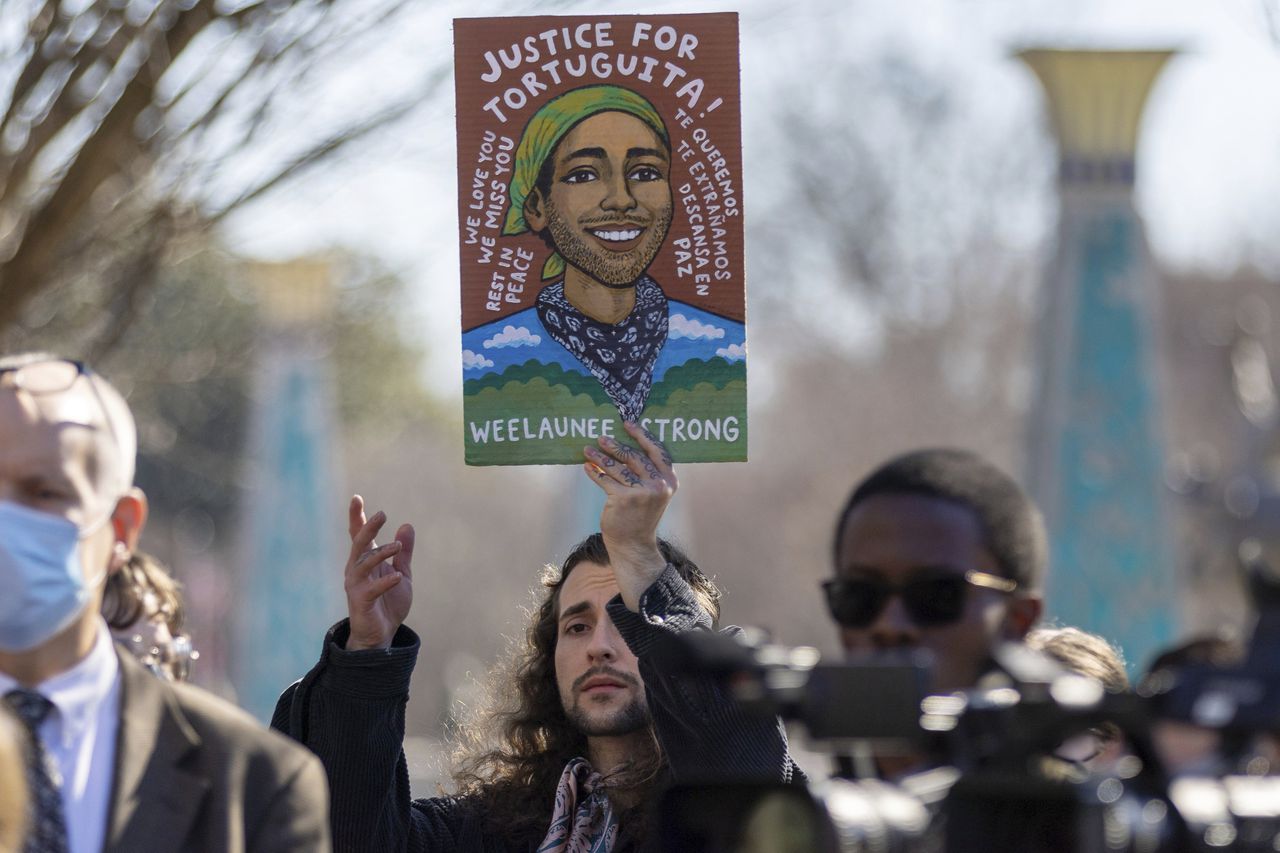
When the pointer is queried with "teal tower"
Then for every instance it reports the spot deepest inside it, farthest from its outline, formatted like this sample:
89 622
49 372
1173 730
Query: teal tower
1096 460
289 584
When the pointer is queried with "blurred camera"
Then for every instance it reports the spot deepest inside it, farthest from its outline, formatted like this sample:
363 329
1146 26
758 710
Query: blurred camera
990 777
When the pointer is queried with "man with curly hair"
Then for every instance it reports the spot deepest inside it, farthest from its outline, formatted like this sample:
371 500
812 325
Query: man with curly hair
593 724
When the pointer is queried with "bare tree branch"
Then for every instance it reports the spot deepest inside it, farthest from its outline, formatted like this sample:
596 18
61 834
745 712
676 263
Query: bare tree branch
37 37
135 275
57 116
106 152
313 155
106 156
1272 14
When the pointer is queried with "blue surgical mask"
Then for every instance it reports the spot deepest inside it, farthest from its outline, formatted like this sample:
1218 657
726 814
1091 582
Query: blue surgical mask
42 583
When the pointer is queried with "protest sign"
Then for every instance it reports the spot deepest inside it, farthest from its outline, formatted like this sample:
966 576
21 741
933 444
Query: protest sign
601 235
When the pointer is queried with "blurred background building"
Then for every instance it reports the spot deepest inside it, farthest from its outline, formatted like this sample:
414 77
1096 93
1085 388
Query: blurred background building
903 201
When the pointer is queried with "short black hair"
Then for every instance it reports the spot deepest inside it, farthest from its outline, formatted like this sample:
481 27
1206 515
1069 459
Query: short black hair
1012 527
1220 650
542 186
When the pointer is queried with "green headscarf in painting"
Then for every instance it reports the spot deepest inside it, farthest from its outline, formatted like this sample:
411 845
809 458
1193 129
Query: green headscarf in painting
543 133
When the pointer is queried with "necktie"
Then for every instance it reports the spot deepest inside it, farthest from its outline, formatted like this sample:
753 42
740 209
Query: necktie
48 830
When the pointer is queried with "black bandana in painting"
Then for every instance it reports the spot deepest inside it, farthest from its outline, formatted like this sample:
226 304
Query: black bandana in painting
620 355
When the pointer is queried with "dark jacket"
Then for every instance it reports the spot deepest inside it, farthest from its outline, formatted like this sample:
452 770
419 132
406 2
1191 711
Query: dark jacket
196 774
350 709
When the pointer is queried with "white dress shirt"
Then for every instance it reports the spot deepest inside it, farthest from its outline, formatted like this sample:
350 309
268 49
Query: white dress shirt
80 735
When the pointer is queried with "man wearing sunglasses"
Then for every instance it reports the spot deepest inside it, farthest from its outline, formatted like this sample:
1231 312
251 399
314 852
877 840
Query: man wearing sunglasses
937 550
118 759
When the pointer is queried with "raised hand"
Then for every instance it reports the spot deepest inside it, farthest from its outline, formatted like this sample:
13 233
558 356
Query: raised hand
638 485
378 580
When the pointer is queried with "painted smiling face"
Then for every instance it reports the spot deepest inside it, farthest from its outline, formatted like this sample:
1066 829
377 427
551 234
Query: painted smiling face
609 203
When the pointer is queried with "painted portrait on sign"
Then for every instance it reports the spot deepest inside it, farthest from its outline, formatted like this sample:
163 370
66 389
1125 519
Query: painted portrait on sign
592 179
601 242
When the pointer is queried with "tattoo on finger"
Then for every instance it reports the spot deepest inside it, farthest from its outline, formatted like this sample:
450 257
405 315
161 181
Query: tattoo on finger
666 455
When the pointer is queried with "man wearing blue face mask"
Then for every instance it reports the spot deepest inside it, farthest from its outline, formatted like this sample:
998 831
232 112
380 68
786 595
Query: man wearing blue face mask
119 760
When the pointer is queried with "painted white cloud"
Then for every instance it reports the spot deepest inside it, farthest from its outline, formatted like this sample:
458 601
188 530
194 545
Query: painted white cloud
733 352
472 361
513 336
695 330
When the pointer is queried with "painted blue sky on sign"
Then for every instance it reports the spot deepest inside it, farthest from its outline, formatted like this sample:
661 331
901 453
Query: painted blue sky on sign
516 339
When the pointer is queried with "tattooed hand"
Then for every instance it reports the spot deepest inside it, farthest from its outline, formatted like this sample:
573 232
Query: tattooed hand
638 485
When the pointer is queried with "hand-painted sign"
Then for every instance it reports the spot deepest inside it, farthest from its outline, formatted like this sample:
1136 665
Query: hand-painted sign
600 219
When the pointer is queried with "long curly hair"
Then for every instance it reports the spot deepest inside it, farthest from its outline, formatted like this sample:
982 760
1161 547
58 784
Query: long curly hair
142 589
511 754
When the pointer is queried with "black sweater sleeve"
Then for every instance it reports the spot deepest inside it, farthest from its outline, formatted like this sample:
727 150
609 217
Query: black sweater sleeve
703 732
349 710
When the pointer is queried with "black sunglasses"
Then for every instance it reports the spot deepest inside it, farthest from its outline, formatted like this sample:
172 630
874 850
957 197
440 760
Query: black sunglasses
934 599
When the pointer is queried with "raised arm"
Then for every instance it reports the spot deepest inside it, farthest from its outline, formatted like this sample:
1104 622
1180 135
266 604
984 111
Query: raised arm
638 486
703 732
350 708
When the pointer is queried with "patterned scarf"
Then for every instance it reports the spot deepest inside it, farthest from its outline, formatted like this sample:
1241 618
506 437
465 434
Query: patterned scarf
583 820
620 355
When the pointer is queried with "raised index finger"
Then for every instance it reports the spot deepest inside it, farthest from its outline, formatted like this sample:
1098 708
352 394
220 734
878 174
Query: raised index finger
355 516
362 539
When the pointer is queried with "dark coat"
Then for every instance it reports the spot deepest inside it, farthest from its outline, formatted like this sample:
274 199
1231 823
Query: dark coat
198 775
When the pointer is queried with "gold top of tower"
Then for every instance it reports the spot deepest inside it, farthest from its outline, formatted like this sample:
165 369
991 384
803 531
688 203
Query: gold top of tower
294 293
1096 98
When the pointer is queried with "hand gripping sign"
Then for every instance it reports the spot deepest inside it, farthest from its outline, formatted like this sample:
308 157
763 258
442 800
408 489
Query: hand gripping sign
600 223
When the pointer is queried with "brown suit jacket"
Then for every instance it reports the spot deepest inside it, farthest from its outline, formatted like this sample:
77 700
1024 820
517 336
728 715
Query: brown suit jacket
195 773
